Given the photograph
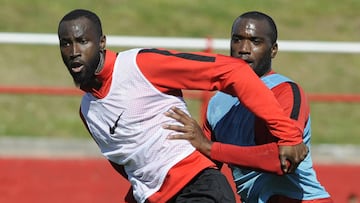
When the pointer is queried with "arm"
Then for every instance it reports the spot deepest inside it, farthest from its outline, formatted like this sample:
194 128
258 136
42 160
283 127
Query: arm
295 105
293 100
231 154
170 70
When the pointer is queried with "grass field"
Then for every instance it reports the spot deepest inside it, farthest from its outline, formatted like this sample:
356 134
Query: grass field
33 65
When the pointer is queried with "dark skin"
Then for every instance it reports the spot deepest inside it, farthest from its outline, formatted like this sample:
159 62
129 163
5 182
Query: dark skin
80 46
250 41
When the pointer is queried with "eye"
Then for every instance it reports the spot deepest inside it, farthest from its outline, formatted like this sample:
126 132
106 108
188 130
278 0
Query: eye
236 38
64 43
83 41
256 41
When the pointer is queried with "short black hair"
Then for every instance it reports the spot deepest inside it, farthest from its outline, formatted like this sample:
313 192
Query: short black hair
260 16
78 13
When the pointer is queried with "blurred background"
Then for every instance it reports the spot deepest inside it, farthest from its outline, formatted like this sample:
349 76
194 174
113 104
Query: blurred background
47 126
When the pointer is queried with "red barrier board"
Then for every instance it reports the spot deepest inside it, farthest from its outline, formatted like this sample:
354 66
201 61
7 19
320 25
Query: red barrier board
94 181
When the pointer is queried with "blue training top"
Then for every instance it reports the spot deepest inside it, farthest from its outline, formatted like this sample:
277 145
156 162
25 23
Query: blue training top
232 123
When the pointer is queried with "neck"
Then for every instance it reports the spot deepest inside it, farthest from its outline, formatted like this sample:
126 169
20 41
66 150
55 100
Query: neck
101 63
95 83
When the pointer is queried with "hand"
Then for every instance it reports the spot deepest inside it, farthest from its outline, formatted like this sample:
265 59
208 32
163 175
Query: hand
190 131
291 156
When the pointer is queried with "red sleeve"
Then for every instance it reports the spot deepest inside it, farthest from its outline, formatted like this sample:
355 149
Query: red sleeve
265 156
262 157
294 102
170 71
207 130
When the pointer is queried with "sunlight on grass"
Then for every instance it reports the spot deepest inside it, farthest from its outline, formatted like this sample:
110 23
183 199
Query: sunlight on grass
57 116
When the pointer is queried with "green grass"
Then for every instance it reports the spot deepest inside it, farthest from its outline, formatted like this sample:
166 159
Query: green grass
57 116
335 123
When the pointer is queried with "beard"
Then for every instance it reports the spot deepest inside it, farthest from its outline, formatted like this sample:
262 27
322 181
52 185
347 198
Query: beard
263 67
83 78
87 76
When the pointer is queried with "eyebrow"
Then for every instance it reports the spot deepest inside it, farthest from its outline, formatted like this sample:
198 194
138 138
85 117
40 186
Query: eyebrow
251 38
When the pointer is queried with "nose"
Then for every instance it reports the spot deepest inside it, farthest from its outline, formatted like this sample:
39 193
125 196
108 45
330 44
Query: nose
244 47
75 51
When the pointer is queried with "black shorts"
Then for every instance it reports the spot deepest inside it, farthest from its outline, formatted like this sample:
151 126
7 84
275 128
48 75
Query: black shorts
209 186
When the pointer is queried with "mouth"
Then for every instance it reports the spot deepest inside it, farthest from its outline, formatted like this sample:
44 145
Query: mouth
248 61
76 67
244 58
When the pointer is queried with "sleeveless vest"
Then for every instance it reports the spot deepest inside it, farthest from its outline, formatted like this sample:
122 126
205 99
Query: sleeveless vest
126 125
232 123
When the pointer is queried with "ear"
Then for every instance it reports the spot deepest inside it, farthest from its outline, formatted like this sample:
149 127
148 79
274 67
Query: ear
274 50
103 42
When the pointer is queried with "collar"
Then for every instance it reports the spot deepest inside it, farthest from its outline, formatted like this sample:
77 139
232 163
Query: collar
107 69
268 73
105 75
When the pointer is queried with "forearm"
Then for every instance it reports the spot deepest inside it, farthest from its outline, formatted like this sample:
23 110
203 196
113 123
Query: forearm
262 157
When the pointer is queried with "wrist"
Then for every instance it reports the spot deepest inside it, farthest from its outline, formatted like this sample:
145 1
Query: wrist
206 148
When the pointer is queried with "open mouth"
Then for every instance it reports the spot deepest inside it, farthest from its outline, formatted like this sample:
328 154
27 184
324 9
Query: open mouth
77 67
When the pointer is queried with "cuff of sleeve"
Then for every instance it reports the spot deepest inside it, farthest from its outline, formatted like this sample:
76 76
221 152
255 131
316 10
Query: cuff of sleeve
289 142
